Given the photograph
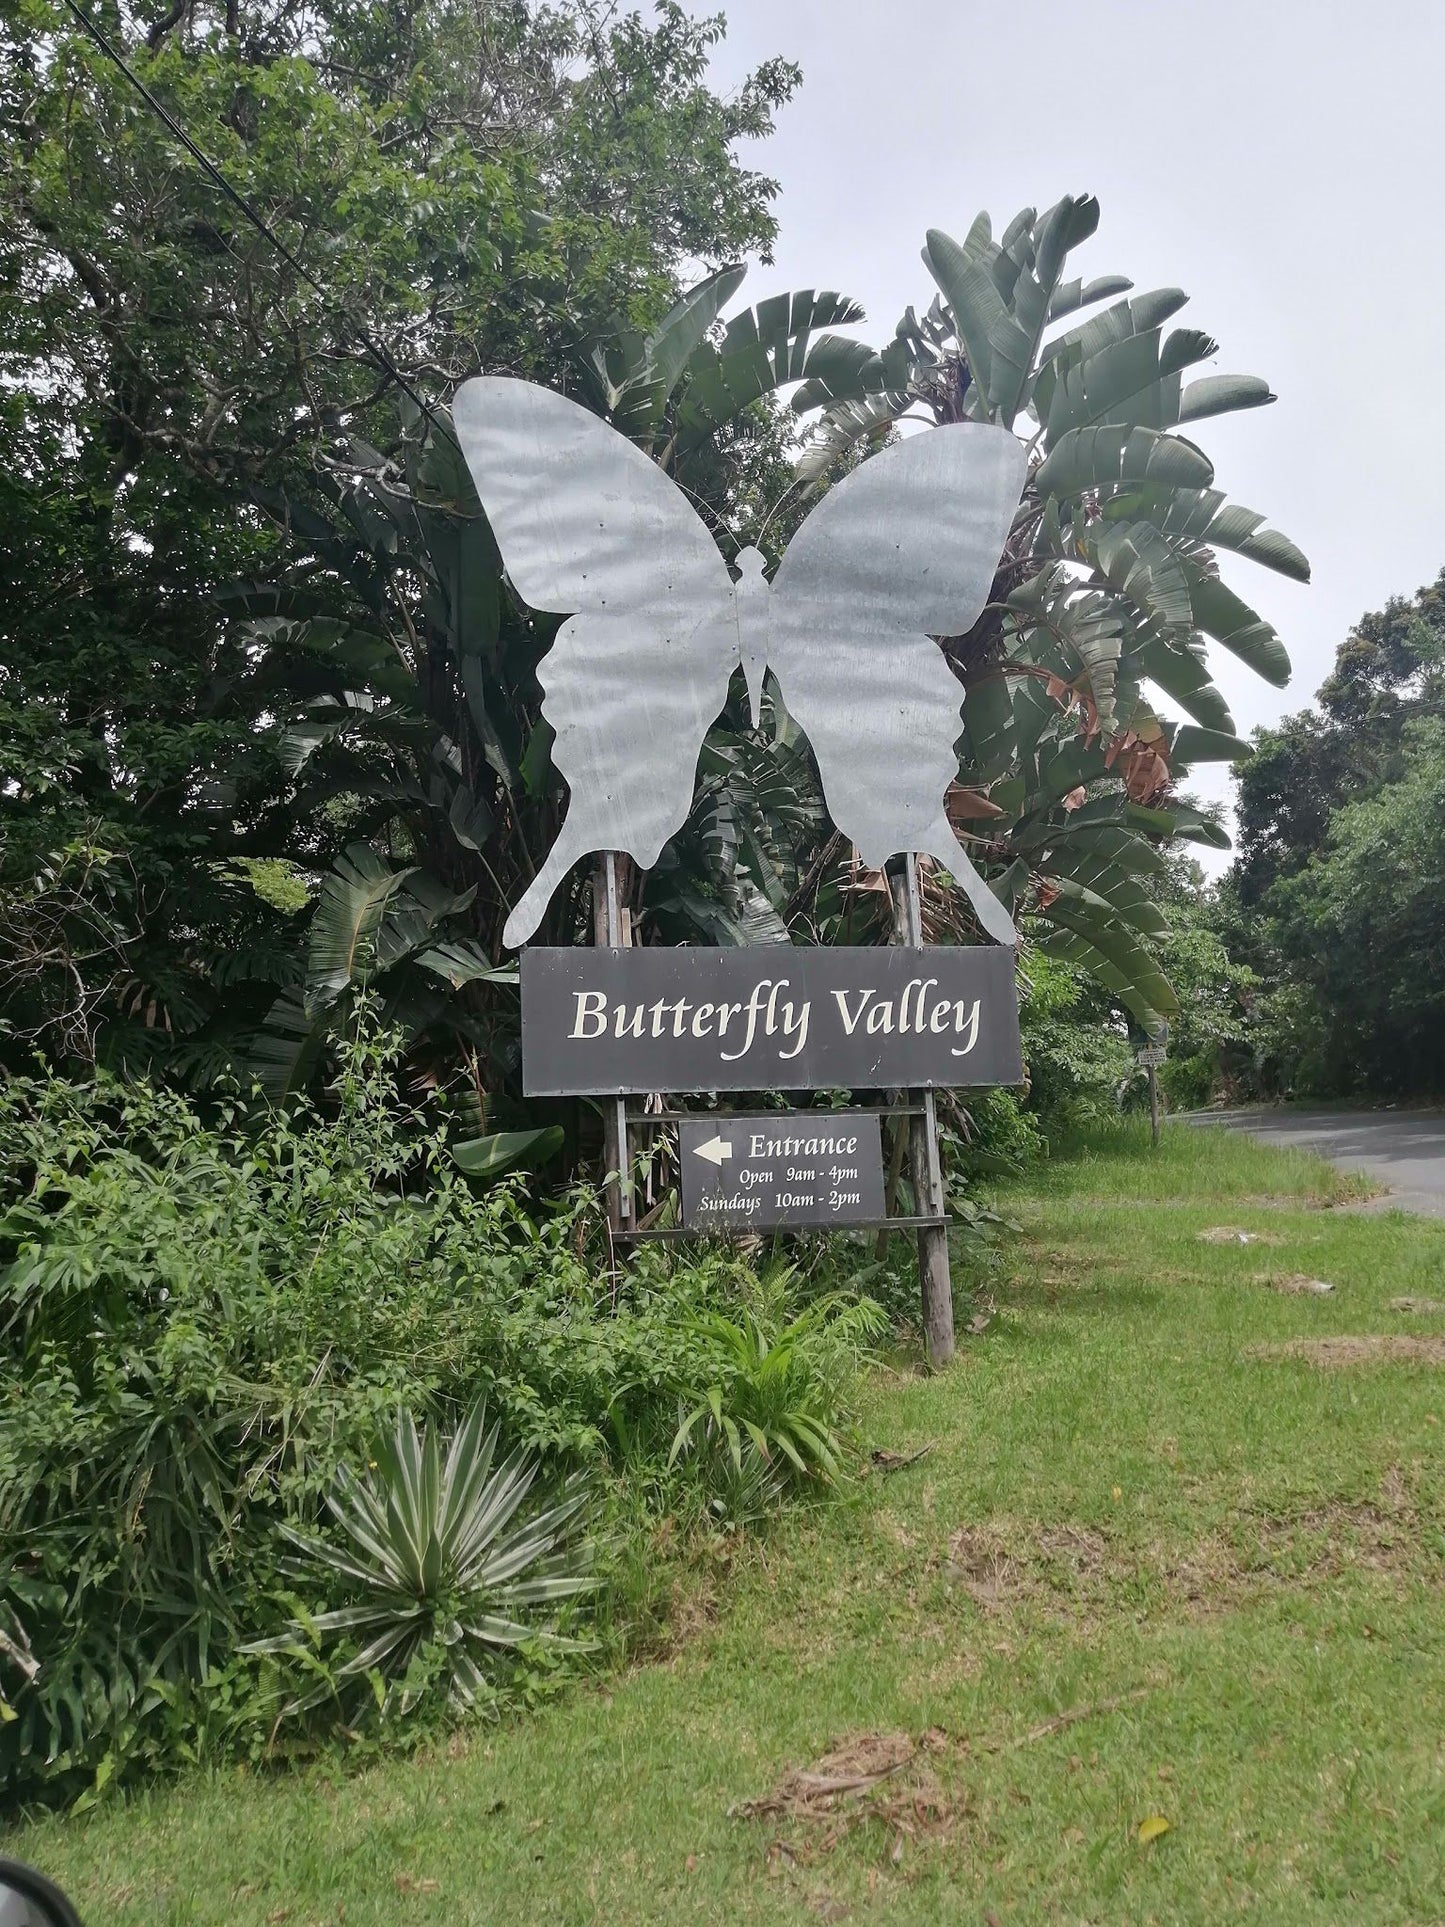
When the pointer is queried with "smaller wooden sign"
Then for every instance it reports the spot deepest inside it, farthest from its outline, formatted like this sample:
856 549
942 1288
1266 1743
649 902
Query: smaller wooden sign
781 1168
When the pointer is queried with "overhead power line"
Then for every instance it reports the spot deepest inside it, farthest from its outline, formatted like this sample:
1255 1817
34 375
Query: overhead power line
378 353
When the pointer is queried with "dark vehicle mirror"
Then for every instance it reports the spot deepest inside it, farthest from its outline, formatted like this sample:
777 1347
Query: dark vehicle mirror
28 1899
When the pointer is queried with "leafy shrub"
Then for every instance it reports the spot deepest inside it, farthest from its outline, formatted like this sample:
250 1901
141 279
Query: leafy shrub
202 1322
1076 1048
775 1382
995 1136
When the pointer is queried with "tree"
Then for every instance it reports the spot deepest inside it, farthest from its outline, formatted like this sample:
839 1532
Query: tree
224 537
1389 671
1109 585
1336 898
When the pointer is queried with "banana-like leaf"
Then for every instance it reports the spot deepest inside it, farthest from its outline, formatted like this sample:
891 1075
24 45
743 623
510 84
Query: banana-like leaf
488 1157
1070 296
652 367
1094 458
671 344
1202 518
1139 562
842 428
281 1054
411 915
988 721
1221 395
978 308
1014 345
465 963
1220 613
1193 745
1181 670
1125 318
354 714
1096 886
1086 625
1100 842
344 926
1000 296
766 348
1116 955
1134 381
1181 821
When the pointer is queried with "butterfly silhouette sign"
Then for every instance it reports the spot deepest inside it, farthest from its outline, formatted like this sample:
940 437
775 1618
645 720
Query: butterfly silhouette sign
903 549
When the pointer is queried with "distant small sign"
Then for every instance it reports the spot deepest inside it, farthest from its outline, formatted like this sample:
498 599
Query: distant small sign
1151 1056
781 1168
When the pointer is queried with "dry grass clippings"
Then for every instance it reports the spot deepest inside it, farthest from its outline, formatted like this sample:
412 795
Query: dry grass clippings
869 1776
1297 1284
997 1565
1347 1349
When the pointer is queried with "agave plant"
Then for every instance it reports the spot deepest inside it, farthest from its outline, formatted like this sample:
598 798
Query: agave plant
448 1574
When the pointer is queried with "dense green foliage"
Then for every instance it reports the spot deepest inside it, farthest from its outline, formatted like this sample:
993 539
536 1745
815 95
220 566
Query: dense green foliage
203 1326
1337 902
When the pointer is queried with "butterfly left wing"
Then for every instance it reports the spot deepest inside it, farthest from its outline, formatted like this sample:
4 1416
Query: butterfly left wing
588 527
901 550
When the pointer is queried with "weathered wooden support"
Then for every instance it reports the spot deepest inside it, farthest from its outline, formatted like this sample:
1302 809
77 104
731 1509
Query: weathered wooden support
935 1281
611 926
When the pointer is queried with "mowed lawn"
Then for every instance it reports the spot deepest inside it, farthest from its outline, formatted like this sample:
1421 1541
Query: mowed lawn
1153 1569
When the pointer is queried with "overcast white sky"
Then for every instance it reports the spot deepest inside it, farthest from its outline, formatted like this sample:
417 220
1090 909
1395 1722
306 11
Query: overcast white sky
1283 161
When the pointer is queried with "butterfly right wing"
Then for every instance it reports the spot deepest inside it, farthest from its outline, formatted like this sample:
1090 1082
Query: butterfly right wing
903 549
913 535
590 528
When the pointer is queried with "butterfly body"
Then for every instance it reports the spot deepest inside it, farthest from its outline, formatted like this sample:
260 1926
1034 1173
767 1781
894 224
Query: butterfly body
901 550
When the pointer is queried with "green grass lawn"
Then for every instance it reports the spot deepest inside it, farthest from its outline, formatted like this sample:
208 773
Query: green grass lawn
1151 1568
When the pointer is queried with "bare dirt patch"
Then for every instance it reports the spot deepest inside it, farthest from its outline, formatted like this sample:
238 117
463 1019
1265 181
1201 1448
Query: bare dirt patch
999 1566
1421 1305
1006 1565
1348 1349
1328 1540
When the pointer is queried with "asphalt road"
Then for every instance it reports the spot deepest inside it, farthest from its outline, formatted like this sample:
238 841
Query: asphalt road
1403 1149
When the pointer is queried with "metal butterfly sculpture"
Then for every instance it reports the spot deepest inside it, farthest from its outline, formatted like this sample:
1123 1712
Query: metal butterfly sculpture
903 549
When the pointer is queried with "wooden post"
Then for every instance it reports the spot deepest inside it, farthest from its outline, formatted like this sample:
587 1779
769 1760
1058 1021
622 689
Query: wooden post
610 927
935 1282
1154 1105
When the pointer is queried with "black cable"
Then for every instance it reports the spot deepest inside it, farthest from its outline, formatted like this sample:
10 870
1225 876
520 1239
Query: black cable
373 348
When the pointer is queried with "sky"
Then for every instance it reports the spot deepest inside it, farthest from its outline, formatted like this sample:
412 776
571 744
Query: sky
1282 160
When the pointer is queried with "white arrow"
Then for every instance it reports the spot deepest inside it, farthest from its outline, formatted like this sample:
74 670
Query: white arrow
715 1150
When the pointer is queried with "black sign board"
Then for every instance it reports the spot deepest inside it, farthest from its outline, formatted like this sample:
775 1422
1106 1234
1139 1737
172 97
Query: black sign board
781 1168
772 1017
